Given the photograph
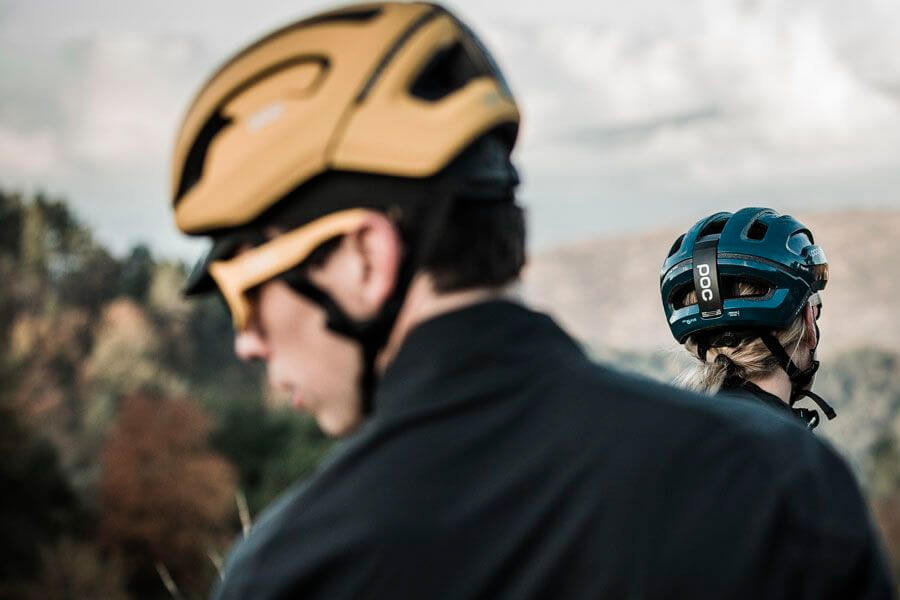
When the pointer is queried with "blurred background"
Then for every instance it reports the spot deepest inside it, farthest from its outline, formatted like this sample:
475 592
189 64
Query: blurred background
138 448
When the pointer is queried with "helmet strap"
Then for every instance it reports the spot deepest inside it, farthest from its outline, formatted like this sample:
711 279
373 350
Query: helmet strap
800 379
372 334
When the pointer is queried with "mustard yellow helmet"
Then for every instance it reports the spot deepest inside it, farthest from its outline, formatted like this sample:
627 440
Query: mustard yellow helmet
390 89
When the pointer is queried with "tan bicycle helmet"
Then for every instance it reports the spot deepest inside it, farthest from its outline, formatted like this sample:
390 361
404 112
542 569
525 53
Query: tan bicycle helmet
391 88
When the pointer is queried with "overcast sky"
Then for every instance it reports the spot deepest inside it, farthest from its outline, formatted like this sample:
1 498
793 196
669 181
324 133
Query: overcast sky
636 115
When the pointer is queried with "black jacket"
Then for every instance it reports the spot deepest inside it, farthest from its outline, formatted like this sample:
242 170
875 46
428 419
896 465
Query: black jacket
501 463
746 390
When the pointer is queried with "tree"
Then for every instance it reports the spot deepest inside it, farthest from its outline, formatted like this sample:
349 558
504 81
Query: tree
271 449
73 569
167 497
136 273
37 503
123 360
11 216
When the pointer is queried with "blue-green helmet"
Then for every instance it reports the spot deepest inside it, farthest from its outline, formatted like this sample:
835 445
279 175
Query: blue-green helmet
775 253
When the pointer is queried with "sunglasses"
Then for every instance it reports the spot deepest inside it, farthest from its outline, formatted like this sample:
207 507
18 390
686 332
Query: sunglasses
238 276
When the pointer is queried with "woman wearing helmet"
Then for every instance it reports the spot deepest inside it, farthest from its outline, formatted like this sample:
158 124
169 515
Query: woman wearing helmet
741 292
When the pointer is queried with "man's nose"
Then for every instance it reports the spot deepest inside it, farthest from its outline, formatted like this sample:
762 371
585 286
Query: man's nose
249 346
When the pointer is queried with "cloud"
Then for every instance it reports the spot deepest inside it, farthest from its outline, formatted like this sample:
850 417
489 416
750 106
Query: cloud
637 104
93 119
126 107
113 100
751 91
31 154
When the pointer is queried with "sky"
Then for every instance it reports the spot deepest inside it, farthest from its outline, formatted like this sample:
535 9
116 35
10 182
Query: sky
636 115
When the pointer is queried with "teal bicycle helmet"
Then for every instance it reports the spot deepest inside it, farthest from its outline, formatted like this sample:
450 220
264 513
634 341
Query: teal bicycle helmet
757 245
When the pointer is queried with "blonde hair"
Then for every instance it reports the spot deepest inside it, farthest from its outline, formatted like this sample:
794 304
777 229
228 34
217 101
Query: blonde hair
749 360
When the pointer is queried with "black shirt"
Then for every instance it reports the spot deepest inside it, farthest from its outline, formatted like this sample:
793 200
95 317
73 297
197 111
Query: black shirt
747 390
501 463
739 388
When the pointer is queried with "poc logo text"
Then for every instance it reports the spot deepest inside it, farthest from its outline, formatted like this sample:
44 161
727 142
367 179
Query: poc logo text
706 292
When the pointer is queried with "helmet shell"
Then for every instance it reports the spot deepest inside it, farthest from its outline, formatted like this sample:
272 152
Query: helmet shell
393 89
755 245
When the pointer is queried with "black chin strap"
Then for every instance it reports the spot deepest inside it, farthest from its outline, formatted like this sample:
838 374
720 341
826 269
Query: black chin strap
372 334
800 379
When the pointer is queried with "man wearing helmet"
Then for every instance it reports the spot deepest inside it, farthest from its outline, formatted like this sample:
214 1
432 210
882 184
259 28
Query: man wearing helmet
353 171
392 108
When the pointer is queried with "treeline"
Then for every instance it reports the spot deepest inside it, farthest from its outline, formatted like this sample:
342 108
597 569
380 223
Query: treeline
131 439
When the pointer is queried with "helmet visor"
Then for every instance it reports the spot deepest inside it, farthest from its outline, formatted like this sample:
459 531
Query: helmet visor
817 265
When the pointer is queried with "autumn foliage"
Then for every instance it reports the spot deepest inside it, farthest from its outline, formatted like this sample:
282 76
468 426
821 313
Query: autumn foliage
127 427
166 497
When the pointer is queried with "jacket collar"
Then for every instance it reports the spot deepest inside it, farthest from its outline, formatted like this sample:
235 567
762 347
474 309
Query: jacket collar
737 385
470 351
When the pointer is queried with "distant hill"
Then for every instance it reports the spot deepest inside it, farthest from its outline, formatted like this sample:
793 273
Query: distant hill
606 291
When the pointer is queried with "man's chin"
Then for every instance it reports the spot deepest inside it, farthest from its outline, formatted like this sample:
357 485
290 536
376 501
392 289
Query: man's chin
336 426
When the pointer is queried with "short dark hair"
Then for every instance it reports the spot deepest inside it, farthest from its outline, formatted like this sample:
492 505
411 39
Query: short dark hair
481 245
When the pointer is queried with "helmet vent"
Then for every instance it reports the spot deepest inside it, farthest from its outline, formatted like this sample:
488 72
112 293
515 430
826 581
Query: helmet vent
447 71
398 43
712 228
757 231
193 164
677 245
800 240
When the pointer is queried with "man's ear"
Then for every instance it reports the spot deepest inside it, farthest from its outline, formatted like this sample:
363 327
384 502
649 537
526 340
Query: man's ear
380 249
809 318
362 271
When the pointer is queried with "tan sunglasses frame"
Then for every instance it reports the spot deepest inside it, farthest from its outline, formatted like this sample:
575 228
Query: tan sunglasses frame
257 265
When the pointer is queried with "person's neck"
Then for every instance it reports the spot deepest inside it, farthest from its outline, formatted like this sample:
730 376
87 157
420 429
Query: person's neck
777 384
422 303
